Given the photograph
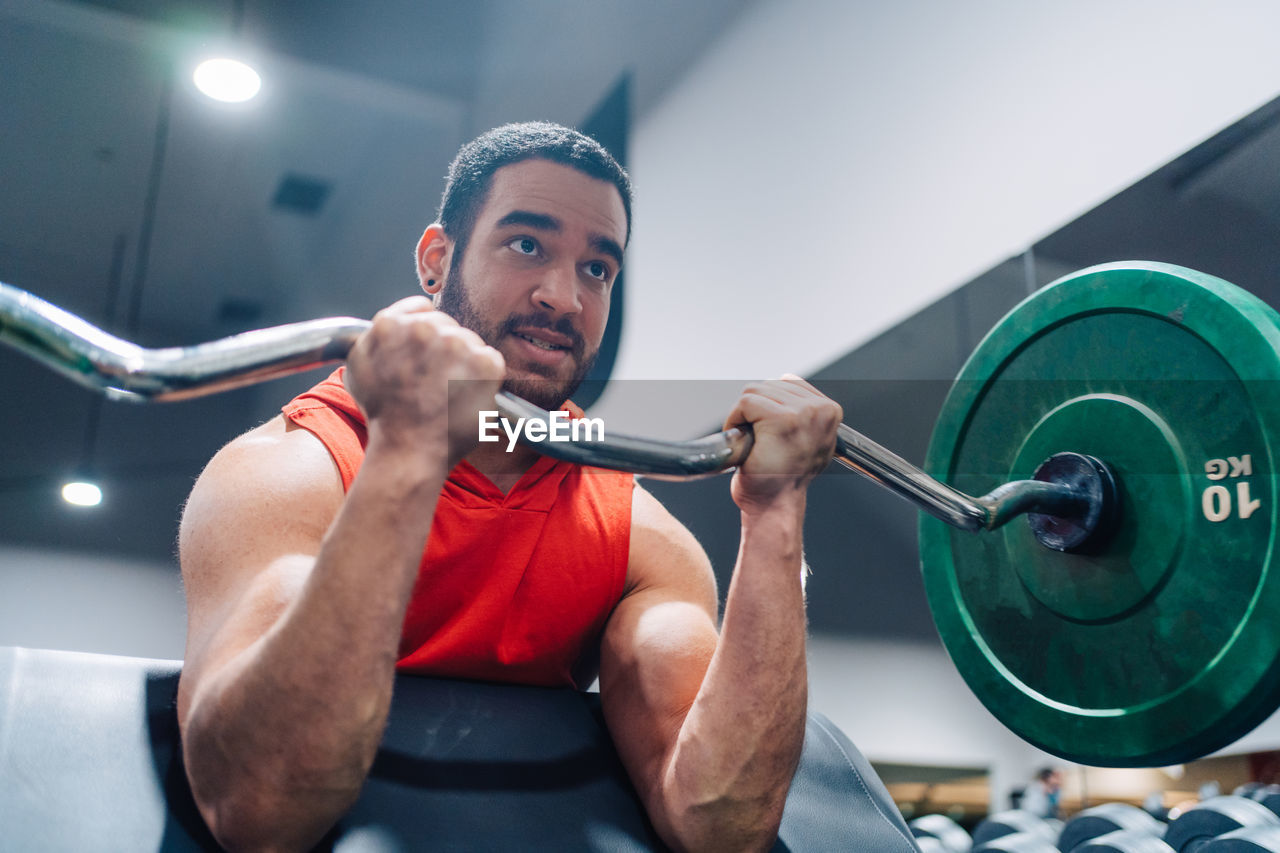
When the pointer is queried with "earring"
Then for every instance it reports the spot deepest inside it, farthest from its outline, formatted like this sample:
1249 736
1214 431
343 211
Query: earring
431 282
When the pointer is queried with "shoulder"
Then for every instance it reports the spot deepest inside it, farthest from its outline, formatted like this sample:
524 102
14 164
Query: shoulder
275 459
276 482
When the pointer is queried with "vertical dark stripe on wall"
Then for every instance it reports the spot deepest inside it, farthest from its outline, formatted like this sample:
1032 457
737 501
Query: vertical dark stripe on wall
609 124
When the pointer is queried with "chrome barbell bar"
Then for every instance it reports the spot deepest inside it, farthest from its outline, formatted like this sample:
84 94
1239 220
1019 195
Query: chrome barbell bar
125 371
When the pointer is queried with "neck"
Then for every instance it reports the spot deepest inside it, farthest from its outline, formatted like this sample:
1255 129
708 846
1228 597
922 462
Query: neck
502 462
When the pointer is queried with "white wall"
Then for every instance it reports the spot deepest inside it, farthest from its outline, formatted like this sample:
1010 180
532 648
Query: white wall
830 167
88 603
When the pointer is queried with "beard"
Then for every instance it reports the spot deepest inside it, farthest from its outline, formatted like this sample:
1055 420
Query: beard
549 393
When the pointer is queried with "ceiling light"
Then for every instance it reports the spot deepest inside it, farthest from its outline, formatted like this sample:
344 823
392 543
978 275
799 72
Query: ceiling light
227 80
81 493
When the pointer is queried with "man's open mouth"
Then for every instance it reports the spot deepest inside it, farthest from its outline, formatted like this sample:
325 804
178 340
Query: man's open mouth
540 343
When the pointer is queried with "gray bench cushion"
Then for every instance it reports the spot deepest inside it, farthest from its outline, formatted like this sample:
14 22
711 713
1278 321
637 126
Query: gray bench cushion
90 760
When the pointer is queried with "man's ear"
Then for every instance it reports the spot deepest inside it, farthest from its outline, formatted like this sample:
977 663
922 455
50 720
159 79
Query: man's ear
433 258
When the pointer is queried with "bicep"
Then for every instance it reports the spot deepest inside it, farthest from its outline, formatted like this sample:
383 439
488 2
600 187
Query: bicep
659 640
249 535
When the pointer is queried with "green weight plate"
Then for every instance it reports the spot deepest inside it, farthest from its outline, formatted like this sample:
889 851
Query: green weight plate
1163 644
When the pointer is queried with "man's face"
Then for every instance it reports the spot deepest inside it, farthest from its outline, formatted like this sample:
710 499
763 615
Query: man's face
536 275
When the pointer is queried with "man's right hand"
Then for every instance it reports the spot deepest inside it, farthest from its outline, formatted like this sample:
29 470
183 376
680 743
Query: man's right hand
419 377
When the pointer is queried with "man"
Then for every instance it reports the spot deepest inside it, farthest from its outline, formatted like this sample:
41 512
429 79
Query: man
1041 796
308 583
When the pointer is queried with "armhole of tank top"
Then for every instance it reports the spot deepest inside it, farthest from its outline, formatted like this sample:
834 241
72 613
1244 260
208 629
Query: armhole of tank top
335 433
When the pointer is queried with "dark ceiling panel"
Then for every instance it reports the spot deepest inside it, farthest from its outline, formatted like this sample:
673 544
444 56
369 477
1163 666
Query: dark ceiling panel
211 15
301 194
423 44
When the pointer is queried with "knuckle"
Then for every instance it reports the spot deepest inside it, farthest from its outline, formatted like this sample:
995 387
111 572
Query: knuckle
421 338
472 339
437 323
454 345
412 303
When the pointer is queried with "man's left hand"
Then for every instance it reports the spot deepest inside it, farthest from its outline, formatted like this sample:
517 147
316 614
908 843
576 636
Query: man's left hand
795 435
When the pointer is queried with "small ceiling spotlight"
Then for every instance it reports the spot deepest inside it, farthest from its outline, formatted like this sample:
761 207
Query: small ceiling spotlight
80 493
227 80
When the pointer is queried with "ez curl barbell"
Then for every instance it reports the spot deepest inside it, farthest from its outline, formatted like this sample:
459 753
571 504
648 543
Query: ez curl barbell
1129 410
125 371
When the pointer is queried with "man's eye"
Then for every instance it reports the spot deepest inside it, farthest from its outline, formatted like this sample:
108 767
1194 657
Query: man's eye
595 269
524 245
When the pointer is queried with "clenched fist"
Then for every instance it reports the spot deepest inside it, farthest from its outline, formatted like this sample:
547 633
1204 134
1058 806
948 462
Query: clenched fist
795 436
422 378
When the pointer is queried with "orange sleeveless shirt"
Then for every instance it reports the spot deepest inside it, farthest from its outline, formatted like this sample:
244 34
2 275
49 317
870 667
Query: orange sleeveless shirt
512 587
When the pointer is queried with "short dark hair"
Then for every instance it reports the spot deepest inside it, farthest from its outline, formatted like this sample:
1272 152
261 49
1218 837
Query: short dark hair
471 172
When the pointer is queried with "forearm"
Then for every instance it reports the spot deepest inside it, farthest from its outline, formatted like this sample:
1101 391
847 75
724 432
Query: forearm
279 738
727 777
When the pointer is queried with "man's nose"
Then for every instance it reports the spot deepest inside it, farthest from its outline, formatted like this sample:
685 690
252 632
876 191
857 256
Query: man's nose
557 291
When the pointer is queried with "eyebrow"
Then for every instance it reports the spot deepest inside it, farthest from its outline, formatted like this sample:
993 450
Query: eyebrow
609 247
546 222
529 219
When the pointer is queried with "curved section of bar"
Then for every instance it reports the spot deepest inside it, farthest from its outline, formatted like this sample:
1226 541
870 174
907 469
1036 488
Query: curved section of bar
125 371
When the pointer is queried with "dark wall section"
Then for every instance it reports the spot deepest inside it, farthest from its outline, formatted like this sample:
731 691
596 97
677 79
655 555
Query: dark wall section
860 541
1215 209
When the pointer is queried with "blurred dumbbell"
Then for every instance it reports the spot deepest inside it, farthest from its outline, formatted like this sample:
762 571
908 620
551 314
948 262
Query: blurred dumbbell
1251 839
1011 822
951 834
1104 819
1198 825
1018 842
1268 795
1122 841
